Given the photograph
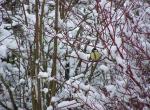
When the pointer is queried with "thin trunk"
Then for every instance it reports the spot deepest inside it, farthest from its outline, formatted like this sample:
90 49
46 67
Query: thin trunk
34 101
62 9
36 95
54 66
37 54
42 54
26 21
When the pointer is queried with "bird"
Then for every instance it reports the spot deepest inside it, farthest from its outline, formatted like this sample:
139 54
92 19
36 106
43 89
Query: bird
95 55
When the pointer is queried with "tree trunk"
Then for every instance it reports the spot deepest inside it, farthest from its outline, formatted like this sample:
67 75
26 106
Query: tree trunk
36 92
54 66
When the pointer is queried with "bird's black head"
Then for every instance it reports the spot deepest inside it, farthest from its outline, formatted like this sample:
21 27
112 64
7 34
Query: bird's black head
94 49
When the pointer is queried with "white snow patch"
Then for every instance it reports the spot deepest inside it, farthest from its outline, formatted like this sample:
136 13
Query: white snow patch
12 89
60 23
54 99
91 38
111 89
78 76
105 52
46 8
81 55
120 83
37 61
113 51
118 41
103 2
104 68
51 2
32 1
68 104
49 70
43 75
12 44
127 3
45 90
70 25
31 17
50 108
3 51
80 85
148 10
60 35
120 60
22 81
51 78
9 104
74 54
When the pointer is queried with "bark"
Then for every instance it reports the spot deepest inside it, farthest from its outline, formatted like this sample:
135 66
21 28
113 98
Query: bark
42 54
62 9
54 66
36 92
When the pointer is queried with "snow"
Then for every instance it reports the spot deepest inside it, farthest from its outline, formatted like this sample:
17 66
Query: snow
148 10
103 2
81 55
51 78
90 38
31 17
32 1
3 51
60 35
60 23
43 75
80 85
118 41
90 100
78 76
21 0
51 2
20 108
12 89
120 61
49 70
127 3
68 104
113 51
104 51
22 81
70 25
104 68
54 99
145 108
46 8
37 61
111 89
50 108
45 90
9 104
12 44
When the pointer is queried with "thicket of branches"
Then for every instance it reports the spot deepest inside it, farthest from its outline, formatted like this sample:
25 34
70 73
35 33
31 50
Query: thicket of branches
45 48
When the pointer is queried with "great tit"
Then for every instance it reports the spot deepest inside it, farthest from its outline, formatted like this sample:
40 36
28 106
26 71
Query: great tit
95 55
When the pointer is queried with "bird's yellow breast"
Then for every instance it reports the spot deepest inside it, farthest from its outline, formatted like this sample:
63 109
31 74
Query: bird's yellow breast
95 56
